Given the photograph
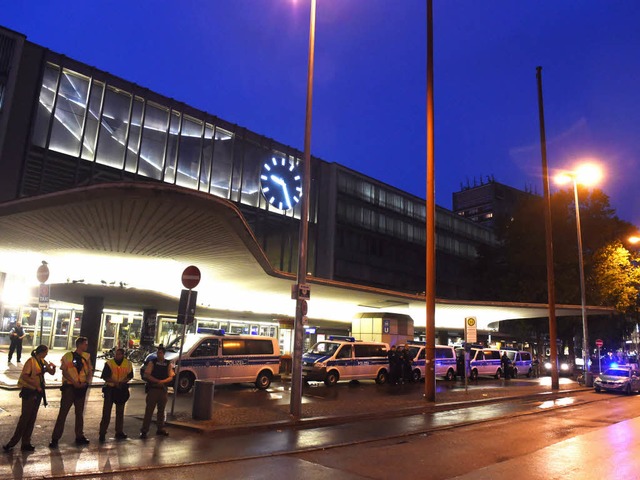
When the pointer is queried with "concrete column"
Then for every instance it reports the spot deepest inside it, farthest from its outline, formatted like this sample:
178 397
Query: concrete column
91 321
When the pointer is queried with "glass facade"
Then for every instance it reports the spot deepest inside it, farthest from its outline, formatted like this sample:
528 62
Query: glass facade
91 120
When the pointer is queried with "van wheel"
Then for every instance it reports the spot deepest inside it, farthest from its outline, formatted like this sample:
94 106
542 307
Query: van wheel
382 376
498 374
331 379
185 382
474 374
451 375
416 375
515 373
264 380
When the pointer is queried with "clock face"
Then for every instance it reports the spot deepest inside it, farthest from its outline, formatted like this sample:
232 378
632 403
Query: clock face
281 183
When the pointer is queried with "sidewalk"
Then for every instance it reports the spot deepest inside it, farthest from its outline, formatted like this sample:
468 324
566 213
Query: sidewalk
320 405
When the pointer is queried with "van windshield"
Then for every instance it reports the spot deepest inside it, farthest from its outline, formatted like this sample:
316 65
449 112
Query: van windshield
324 348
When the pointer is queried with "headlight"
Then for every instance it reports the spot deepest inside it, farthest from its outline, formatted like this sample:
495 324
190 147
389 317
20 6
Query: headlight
564 367
547 365
319 365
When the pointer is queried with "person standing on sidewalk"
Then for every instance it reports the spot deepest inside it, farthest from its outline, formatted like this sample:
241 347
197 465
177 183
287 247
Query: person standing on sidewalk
76 376
32 393
158 374
117 373
16 335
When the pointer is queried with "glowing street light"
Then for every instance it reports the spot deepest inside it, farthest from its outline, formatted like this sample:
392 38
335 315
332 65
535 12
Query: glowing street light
586 174
633 239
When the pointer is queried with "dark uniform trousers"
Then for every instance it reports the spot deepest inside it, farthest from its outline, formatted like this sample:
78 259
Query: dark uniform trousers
155 397
70 396
106 413
27 421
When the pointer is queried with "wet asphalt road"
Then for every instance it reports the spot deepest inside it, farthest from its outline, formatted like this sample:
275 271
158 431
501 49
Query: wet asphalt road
186 447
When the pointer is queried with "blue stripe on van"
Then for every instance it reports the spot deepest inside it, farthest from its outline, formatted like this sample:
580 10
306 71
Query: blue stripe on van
228 361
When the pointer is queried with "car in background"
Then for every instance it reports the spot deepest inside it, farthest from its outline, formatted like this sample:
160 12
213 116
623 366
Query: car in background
565 367
618 379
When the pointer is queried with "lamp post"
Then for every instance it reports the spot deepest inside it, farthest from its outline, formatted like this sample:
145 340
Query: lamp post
585 175
295 403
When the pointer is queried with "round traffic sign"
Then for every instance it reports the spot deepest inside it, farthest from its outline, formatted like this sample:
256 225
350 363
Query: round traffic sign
599 343
191 277
43 273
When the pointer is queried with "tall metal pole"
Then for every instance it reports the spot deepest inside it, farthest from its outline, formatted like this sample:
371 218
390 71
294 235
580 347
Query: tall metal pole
430 291
583 300
295 404
551 288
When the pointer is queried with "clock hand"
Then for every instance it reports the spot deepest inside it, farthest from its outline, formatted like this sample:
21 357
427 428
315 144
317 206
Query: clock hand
283 184
286 194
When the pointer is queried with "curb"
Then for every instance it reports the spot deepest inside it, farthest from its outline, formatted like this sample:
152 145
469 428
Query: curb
330 420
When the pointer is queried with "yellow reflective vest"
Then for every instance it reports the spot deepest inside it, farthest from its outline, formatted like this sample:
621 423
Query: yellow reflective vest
119 373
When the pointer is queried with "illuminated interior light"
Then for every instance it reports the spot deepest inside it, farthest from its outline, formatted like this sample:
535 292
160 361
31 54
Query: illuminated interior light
267 167
291 167
280 205
271 200
265 189
274 161
283 162
297 177
296 199
263 177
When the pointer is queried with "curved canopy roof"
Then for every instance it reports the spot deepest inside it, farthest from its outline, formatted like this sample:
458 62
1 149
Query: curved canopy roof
130 242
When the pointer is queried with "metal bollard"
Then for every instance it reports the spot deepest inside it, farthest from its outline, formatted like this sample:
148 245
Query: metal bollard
203 400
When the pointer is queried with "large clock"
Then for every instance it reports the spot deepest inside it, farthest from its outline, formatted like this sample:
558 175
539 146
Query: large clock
281 183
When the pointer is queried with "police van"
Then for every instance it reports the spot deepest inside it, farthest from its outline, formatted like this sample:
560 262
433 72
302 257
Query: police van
344 358
520 362
483 361
445 360
226 359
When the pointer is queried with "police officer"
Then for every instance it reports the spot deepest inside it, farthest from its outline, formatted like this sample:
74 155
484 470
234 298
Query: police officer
158 374
76 377
16 335
392 355
32 392
117 373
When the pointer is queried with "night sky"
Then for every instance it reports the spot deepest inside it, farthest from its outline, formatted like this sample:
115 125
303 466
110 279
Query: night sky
246 61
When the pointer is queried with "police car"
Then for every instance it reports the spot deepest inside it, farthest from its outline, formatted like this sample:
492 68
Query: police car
445 360
344 358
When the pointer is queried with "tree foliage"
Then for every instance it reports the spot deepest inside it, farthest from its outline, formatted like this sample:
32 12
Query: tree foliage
615 277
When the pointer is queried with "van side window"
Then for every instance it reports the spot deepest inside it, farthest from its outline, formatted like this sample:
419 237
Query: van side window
233 346
423 354
443 353
208 348
259 347
480 356
525 356
370 351
492 355
344 352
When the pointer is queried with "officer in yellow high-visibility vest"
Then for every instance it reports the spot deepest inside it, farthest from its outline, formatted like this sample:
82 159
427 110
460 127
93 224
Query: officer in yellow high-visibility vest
76 378
117 373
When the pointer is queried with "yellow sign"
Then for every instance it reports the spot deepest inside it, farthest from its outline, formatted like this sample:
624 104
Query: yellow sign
470 330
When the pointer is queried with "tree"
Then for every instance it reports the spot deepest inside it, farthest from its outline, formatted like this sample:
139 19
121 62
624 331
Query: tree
615 278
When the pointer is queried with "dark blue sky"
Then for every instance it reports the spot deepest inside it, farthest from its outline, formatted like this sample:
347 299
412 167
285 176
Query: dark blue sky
246 60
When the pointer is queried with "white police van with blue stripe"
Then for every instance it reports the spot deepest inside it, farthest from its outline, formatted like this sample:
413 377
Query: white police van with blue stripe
486 362
226 359
445 360
344 358
520 362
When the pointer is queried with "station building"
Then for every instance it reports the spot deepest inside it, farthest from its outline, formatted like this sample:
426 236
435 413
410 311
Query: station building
119 188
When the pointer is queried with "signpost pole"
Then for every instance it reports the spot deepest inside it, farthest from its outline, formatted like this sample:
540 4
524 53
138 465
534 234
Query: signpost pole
177 369
43 294
190 280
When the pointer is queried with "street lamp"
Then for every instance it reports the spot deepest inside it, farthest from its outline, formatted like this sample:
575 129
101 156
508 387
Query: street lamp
295 403
587 174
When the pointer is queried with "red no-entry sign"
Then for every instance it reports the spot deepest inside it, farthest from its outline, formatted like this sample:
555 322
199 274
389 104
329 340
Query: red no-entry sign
191 277
599 343
43 273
